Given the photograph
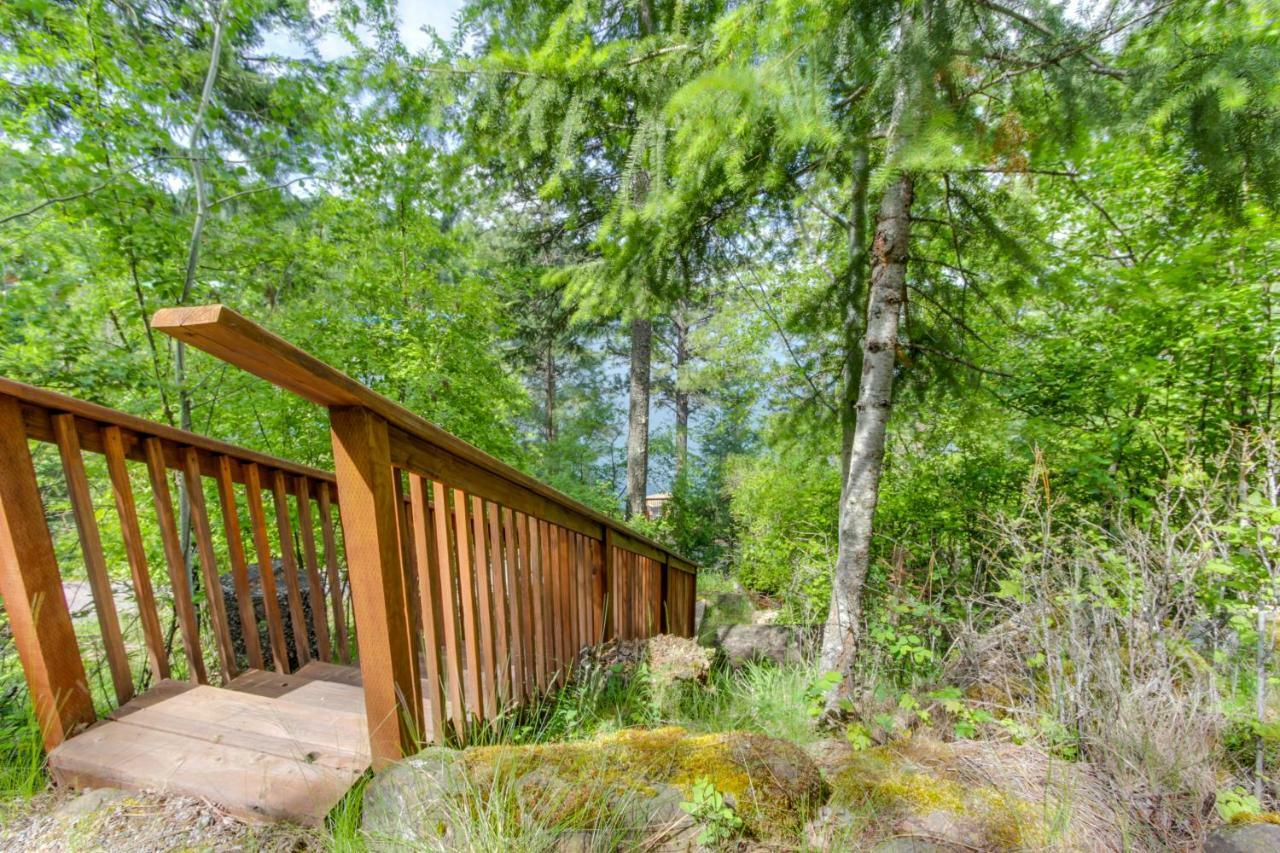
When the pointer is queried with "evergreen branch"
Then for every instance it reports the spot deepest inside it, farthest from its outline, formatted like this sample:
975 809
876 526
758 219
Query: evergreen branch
1098 65
63 199
963 362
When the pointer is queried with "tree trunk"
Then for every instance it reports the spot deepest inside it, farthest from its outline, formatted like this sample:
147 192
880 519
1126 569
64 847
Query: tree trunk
681 324
862 485
550 388
854 308
638 418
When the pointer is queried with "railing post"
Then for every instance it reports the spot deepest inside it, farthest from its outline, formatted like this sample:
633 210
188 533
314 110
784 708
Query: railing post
664 595
388 653
32 590
609 587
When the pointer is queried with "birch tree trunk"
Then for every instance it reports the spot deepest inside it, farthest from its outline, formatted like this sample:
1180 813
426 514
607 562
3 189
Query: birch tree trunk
866 455
638 418
861 488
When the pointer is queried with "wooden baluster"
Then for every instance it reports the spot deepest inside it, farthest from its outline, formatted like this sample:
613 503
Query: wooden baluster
610 585
32 590
501 597
567 592
315 588
584 591
448 573
266 567
335 578
95 563
239 565
556 603
467 594
208 563
521 611
429 608
410 592
664 597
597 591
486 645
289 562
536 587
388 657
174 558
135 551
515 601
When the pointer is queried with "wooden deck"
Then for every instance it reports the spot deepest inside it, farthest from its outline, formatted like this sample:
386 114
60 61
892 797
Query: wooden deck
265 747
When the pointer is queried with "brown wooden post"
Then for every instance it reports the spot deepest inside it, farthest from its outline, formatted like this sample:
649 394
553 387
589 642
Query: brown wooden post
664 595
388 655
32 590
609 589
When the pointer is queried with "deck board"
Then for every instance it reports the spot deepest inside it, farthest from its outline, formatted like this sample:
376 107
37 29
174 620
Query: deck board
266 747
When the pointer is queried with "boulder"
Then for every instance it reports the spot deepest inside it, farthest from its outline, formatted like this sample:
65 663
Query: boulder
620 790
1243 838
781 644
417 802
921 794
259 610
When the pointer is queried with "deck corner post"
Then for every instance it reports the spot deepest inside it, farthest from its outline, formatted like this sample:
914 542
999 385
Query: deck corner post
32 591
388 651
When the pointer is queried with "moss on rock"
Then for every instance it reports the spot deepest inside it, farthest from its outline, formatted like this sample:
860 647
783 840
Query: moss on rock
629 781
769 781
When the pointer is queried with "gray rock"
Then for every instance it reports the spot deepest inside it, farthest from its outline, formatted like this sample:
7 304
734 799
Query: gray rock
830 754
259 610
781 644
88 802
407 806
1244 838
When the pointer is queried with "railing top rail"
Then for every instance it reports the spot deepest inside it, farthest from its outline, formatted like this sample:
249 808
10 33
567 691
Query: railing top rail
45 399
237 340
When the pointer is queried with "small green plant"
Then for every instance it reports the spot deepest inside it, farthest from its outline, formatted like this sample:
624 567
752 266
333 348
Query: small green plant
1234 803
858 736
815 694
708 807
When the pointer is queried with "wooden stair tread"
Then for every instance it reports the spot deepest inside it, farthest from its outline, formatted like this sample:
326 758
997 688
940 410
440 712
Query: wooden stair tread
256 756
337 739
296 688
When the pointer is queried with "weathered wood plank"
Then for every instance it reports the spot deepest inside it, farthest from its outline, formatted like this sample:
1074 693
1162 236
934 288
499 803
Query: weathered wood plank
536 589
32 590
266 571
315 588
388 655
209 566
429 592
467 594
239 565
95 562
499 559
189 629
135 551
245 782
447 572
289 561
335 578
485 609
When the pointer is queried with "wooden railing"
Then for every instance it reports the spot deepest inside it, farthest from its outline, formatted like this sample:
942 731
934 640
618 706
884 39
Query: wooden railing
481 588
31 583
